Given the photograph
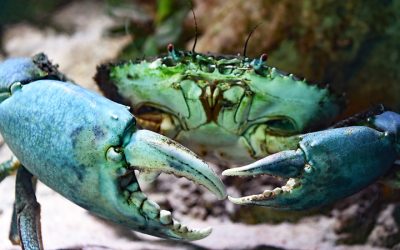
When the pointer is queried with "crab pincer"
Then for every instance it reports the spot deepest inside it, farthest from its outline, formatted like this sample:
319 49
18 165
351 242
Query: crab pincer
327 165
88 149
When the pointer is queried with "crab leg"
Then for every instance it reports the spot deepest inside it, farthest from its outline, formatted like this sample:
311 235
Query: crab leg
328 165
14 234
27 211
8 167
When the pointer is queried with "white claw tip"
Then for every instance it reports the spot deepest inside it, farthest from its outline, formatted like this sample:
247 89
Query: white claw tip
230 172
206 231
235 200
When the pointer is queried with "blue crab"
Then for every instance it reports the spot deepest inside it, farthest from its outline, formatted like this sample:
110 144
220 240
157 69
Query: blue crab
240 110
86 148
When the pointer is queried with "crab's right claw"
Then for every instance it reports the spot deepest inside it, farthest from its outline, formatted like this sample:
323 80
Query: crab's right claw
327 166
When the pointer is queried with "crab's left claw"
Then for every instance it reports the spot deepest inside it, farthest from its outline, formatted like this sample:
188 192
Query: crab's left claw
327 166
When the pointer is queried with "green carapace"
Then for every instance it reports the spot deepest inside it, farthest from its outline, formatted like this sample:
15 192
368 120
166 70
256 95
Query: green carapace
229 108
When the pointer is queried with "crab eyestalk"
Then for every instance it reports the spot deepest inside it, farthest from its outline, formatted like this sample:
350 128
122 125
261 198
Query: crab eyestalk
172 52
259 63
327 166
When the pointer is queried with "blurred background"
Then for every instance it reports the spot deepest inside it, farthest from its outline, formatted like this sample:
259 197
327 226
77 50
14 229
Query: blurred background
351 45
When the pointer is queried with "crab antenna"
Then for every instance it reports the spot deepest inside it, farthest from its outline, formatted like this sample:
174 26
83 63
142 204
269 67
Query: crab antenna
126 27
195 26
248 38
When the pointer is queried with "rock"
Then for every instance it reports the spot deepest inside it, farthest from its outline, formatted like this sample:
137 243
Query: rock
387 229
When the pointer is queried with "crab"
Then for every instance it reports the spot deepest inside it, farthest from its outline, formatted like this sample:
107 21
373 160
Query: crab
237 110
87 148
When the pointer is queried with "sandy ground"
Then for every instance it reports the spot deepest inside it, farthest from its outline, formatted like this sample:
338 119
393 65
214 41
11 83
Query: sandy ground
67 226
77 53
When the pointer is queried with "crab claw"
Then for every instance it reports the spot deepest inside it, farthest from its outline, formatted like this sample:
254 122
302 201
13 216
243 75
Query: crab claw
327 166
152 154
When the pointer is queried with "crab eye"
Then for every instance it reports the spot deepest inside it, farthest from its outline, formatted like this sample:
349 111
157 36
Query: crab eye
207 67
281 125
225 69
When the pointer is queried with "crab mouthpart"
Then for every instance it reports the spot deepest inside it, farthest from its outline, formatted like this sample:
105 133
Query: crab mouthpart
288 164
152 154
